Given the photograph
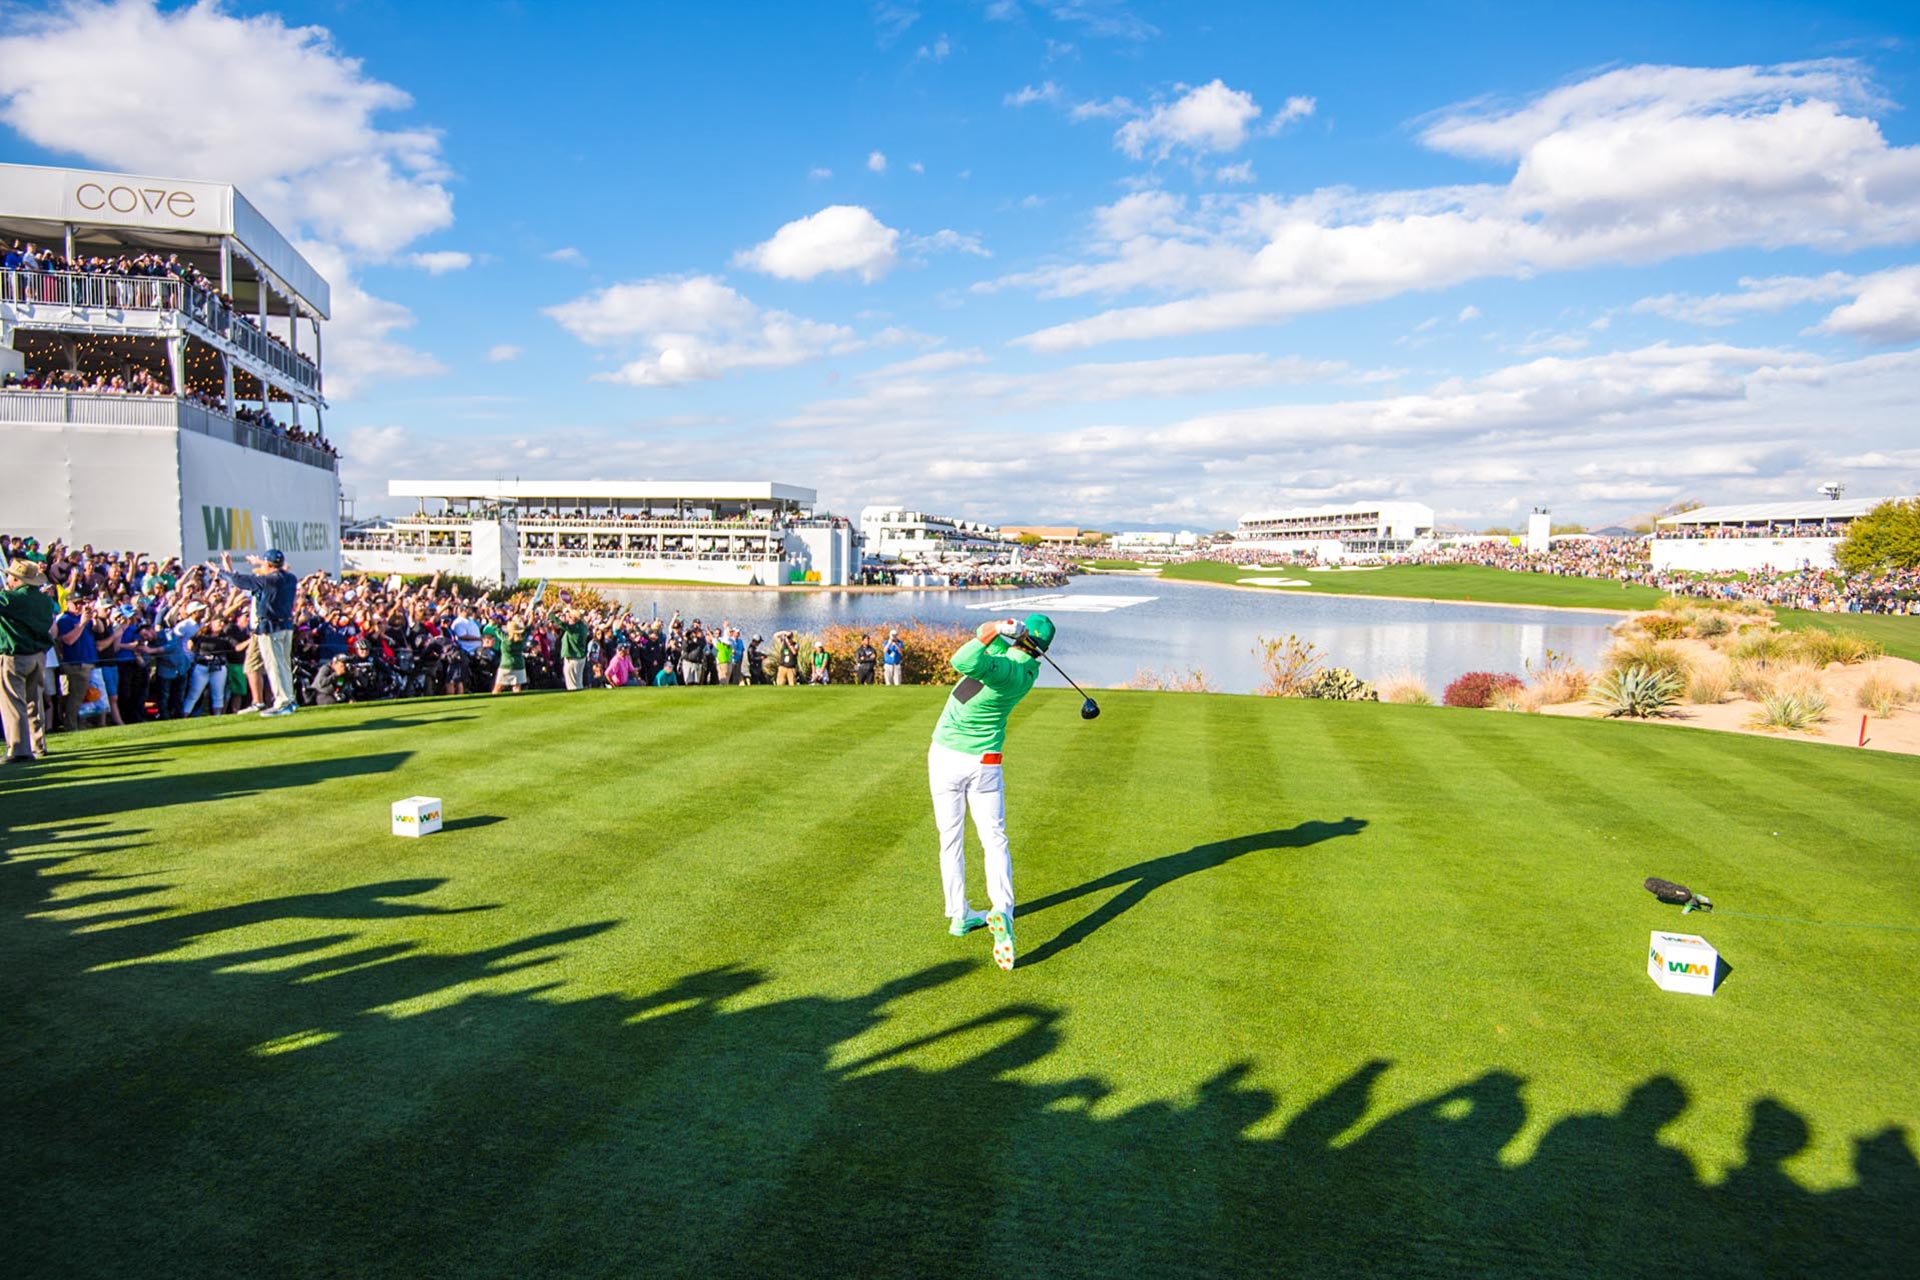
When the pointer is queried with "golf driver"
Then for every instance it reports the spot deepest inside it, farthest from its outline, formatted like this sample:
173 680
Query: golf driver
1089 710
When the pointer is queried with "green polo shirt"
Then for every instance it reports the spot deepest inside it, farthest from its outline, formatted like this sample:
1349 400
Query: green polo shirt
993 679
573 640
26 616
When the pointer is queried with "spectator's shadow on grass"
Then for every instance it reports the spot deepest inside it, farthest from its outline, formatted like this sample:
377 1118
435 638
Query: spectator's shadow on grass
1142 878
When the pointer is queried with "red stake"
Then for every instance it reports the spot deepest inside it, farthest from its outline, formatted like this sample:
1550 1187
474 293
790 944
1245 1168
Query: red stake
1863 731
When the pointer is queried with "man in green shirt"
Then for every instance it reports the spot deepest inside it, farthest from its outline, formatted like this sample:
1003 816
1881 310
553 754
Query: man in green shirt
26 633
997 668
574 637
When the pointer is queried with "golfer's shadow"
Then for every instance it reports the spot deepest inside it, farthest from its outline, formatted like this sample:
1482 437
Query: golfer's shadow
1142 878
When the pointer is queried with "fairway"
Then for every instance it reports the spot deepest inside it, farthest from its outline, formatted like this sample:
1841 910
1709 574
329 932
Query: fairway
1468 582
1306 988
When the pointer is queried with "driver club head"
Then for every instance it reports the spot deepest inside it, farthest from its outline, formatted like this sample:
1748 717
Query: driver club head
1089 710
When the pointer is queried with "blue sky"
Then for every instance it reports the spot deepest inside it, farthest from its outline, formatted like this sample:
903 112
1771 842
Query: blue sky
1082 262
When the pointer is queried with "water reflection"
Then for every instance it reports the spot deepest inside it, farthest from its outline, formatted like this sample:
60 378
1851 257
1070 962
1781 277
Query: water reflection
1187 625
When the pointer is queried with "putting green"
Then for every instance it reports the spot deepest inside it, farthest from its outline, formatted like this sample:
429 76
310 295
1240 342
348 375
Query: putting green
1306 988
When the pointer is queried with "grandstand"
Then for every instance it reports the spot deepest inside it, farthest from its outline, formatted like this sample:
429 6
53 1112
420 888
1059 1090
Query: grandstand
1748 537
894 534
1354 531
161 370
733 533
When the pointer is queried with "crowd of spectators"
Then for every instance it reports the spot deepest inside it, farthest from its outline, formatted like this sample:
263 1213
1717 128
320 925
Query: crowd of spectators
134 380
140 637
32 273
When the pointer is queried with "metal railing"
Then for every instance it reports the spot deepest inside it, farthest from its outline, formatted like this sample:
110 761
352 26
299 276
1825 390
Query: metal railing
83 291
107 409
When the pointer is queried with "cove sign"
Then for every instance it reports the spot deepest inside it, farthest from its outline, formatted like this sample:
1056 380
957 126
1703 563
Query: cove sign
1682 962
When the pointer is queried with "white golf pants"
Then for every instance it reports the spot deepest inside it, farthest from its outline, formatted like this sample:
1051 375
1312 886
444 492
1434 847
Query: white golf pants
961 782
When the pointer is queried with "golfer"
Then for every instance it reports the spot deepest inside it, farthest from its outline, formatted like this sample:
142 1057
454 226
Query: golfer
996 668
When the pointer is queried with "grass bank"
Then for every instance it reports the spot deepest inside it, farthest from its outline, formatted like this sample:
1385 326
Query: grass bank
1463 582
1899 636
1307 988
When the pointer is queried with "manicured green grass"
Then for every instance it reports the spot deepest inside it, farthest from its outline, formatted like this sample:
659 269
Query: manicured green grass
1442 582
1307 989
1900 637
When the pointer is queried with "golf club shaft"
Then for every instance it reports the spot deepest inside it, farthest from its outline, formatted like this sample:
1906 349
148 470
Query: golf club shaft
1063 675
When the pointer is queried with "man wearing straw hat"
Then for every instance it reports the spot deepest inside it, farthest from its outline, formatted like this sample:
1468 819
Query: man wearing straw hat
26 633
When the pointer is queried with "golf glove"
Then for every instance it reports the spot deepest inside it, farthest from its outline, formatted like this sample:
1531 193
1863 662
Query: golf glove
1011 628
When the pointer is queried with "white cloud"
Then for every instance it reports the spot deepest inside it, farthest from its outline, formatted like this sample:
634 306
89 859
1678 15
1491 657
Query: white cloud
693 328
1026 96
917 167
893 20
568 254
1775 293
1209 118
299 133
932 362
1886 308
1295 108
1638 166
440 261
1468 312
947 240
1882 308
819 173
1109 109
911 389
363 341
935 52
877 161
839 238
503 353
1235 173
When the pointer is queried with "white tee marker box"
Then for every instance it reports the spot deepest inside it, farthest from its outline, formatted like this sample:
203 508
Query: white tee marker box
416 816
1683 962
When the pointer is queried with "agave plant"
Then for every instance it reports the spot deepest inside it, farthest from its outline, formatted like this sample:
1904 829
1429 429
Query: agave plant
1637 691
1800 710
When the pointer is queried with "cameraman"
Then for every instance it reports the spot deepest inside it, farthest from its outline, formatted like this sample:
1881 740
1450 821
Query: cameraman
332 683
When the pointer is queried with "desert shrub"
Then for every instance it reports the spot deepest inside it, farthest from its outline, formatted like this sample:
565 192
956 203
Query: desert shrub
1555 680
1405 690
1662 626
1712 625
1750 680
928 646
1337 684
1648 653
1639 692
1286 664
1476 688
1798 710
1819 647
1880 695
1521 700
1709 686
1764 647
1168 680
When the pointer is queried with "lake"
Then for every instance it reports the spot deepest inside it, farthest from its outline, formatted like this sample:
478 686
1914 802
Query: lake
1112 626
